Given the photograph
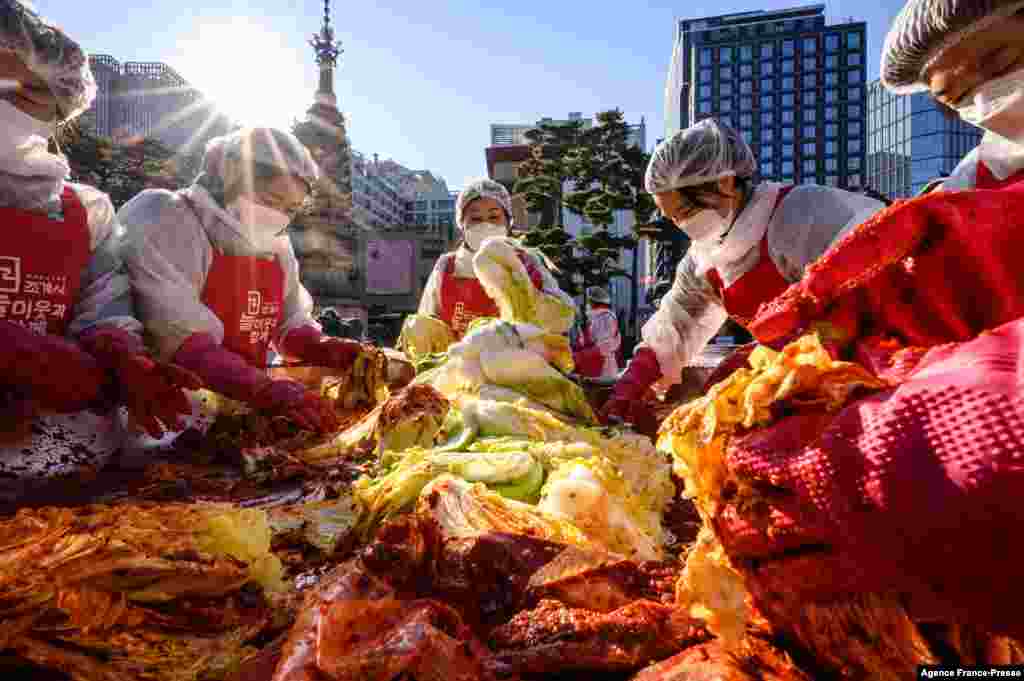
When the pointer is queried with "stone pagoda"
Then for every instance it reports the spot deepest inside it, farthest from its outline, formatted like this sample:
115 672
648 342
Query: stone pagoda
326 240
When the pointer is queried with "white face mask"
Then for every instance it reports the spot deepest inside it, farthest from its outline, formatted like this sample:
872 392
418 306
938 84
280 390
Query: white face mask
998 106
481 232
262 224
705 226
19 128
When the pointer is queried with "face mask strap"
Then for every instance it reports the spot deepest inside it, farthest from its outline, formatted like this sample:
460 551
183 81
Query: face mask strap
746 191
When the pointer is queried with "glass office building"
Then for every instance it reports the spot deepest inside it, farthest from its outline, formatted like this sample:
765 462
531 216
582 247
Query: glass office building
793 85
911 141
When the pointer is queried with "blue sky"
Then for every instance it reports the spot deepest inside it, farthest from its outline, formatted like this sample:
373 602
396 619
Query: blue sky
421 82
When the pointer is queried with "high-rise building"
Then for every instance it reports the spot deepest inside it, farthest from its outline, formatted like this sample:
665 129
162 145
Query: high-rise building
102 117
150 99
377 200
793 85
912 141
504 135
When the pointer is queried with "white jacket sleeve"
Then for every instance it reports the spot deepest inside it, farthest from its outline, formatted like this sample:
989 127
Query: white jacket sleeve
105 296
168 255
809 220
553 297
430 301
604 332
690 314
297 310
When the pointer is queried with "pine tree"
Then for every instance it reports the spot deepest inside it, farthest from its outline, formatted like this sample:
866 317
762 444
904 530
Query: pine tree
120 170
542 177
607 175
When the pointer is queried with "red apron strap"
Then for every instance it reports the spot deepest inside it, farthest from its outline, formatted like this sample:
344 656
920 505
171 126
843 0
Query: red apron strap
763 282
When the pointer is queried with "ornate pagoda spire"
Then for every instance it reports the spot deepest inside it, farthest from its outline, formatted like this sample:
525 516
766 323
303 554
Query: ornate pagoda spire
327 51
323 133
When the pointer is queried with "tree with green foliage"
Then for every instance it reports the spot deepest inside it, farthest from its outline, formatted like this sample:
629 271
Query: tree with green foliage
121 170
542 177
604 174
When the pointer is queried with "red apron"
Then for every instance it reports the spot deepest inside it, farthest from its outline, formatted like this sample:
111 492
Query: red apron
984 179
42 263
761 284
246 292
464 299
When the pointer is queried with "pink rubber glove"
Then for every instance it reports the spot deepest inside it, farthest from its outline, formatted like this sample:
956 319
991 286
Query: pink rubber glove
56 373
229 374
153 392
918 490
626 402
311 345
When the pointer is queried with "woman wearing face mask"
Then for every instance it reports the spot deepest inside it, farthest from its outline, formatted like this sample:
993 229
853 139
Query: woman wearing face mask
600 338
68 331
453 293
749 243
216 280
969 54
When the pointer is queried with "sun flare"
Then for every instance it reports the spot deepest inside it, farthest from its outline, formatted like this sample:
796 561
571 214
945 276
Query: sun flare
250 72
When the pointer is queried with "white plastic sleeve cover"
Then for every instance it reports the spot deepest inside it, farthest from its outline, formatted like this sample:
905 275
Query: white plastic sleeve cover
430 301
688 317
105 296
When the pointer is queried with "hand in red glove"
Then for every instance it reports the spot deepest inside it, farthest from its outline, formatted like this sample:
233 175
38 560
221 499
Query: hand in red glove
310 345
932 270
916 490
55 372
152 391
229 374
627 403
293 400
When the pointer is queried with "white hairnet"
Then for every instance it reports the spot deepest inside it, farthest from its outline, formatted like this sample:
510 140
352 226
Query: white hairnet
50 54
483 188
213 155
263 146
704 152
599 295
924 29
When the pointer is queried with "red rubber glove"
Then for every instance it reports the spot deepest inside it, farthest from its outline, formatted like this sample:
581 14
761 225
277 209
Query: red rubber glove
229 374
311 345
626 402
153 392
931 270
55 372
915 490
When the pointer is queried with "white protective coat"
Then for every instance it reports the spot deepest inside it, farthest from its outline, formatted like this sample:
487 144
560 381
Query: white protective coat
430 302
604 333
62 444
807 221
169 249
